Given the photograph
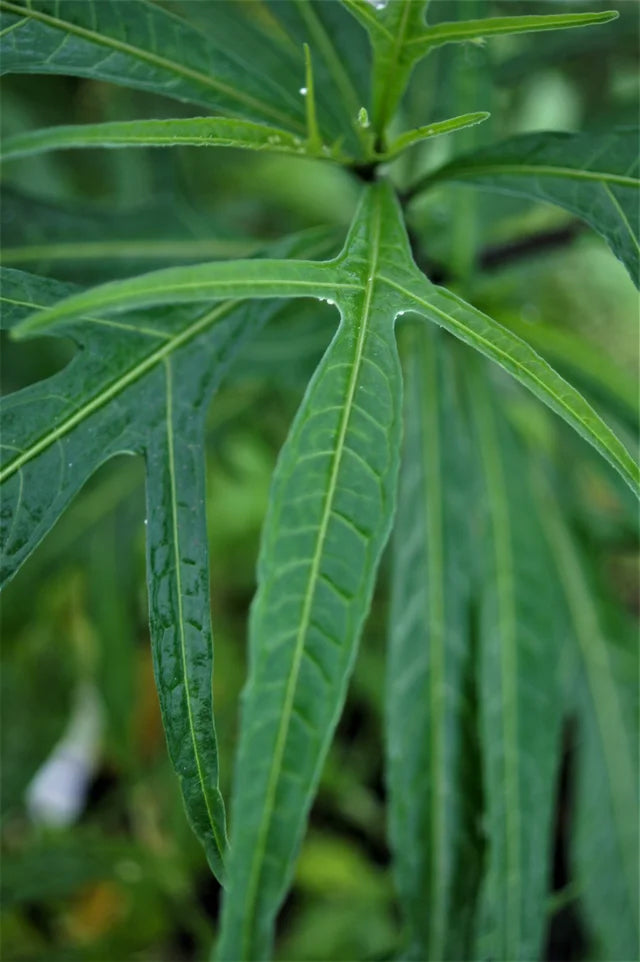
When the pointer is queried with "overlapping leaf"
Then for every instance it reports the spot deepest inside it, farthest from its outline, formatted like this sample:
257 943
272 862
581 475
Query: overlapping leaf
335 280
195 131
595 176
520 637
118 395
433 772
400 38
604 845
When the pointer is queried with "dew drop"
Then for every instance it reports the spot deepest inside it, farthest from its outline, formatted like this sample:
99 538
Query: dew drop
303 91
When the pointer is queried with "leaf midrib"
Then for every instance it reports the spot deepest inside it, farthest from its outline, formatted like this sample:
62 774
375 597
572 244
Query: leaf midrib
152 58
285 718
621 214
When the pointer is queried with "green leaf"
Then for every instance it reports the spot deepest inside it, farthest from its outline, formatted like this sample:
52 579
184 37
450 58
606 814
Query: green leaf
595 176
329 515
93 243
585 361
202 282
400 38
196 131
340 62
470 30
420 134
390 28
432 774
337 281
520 637
149 48
605 840
118 395
519 359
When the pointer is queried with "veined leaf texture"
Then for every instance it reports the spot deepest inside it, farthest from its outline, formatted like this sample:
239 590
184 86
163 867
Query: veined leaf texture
403 433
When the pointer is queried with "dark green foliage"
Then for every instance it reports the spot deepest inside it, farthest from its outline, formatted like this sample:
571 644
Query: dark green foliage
503 640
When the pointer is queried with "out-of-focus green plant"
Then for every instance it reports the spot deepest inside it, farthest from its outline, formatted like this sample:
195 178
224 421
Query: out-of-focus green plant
498 635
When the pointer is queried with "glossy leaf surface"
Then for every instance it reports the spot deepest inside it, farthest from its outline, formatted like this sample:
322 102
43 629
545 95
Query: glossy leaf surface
595 176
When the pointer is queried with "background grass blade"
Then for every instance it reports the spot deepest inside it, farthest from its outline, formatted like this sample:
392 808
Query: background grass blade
595 176
329 516
518 693
433 771
179 605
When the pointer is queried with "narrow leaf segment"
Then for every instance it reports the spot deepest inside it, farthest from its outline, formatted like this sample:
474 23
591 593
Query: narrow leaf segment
518 691
119 395
400 39
330 512
196 131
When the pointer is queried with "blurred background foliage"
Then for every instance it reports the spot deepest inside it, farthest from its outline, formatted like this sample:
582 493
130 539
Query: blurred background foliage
126 880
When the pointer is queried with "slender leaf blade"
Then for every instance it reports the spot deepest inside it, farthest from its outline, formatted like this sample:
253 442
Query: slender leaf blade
595 176
466 30
605 844
90 243
147 48
432 772
519 689
420 134
196 131
329 516
519 359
